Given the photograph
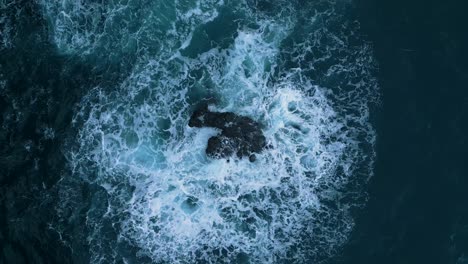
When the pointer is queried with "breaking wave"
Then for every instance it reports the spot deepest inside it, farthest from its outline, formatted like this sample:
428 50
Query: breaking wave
300 69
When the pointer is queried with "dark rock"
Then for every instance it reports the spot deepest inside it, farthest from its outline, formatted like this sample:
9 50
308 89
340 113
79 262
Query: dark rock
220 147
240 135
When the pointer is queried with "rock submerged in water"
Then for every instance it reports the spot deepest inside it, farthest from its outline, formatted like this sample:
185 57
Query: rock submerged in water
240 135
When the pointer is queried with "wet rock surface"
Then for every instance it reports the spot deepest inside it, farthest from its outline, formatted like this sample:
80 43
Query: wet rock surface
239 135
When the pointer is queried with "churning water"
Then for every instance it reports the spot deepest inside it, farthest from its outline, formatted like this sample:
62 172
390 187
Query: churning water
297 67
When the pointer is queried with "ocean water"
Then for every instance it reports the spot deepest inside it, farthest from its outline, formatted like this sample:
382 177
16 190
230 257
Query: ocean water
116 173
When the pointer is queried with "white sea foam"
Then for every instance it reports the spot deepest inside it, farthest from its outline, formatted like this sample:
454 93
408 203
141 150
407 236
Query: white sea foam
6 32
110 30
163 194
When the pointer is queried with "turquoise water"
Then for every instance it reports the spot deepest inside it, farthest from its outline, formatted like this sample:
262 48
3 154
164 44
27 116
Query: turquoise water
137 174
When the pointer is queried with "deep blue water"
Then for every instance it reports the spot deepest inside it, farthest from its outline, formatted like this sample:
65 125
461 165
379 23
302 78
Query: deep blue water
363 104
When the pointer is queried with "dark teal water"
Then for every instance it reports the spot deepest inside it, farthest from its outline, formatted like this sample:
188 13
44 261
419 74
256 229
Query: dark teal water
362 102
417 212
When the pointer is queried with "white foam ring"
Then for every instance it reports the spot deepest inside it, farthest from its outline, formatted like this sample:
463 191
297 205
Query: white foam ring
171 201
